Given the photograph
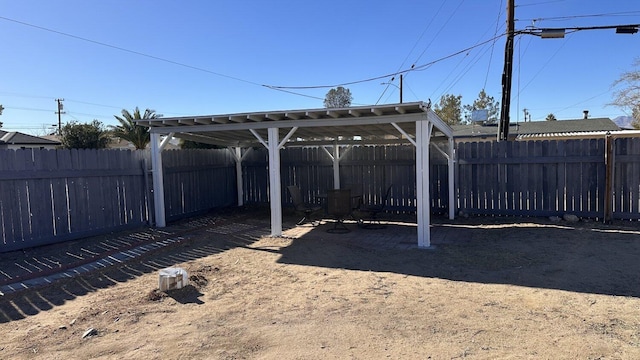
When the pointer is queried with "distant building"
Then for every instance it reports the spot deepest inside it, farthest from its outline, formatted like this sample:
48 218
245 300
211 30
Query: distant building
542 130
17 140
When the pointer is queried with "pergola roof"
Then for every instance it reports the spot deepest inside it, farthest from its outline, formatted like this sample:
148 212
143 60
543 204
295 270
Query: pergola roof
363 124
371 124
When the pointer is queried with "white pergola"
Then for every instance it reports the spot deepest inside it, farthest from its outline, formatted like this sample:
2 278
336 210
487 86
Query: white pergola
333 128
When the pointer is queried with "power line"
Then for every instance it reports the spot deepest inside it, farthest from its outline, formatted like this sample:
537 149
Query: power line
542 68
412 68
94 104
289 89
411 51
26 108
539 3
131 51
493 44
571 17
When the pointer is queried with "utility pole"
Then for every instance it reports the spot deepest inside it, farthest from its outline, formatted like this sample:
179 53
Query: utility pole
400 88
60 112
505 105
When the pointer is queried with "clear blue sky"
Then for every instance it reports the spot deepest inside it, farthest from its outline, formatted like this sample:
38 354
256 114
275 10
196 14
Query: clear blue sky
211 57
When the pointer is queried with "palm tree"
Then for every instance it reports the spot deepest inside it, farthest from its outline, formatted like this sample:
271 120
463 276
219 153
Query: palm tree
128 129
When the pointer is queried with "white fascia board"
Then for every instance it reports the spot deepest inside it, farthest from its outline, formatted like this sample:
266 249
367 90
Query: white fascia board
439 123
368 120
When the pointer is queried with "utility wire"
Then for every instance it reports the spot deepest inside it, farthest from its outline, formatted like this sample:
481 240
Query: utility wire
560 18
412 68
130 51
539 3
493 44
439 31
28 109
543 66
287 89
411 51
145 55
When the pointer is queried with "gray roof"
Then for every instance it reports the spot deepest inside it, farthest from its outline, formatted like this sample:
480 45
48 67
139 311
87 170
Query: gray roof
565 127
18 138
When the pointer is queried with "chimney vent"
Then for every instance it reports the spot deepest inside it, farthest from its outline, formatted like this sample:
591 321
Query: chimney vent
586 114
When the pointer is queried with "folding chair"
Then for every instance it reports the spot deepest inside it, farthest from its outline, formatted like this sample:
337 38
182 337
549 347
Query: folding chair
301 207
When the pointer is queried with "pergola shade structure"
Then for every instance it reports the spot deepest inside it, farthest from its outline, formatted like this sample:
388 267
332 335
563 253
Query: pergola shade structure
363 125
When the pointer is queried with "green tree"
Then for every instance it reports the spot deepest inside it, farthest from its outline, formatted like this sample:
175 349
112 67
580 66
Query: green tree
628 97
130 131
449 109
84 136
484 102
551 117
339 97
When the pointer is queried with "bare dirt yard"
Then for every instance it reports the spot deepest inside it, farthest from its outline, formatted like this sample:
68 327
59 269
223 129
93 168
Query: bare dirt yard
493 288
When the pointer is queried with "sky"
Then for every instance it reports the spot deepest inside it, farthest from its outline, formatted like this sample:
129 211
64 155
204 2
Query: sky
201 57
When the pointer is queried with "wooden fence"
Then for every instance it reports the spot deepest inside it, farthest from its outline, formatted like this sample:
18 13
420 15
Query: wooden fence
47 196
197 180
50 196
545 178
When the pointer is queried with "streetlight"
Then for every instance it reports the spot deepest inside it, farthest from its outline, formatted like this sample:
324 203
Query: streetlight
398 87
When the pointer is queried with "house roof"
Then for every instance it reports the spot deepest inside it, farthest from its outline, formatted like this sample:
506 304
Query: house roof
18 138
539 128
314 126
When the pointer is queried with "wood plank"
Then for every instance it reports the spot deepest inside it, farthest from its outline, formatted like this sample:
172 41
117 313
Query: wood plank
538 177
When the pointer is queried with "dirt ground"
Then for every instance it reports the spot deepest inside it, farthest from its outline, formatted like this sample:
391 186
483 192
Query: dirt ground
493 288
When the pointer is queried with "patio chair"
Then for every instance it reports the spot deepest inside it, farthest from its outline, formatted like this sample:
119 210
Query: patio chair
356 195
373 210
301 207
339 207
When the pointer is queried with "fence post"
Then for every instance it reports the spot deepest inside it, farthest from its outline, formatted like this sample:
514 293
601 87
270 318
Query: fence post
608 182
158 181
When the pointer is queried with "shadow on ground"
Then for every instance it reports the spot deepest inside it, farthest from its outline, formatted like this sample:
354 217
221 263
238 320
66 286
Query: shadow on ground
580 257
232 231
584 257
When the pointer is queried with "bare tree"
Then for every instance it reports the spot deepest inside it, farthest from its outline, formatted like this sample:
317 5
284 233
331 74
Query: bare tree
628 97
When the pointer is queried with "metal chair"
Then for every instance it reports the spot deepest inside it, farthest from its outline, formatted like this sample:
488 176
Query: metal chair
338 207
356 195
374 209
306 209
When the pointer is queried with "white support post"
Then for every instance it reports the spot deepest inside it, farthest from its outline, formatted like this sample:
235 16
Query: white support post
237 154
423 135
336 165
275 193
158 181
452 188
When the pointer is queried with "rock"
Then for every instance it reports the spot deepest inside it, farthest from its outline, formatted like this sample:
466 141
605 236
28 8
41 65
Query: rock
73 322
570 218
62 327
90 332
554 218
